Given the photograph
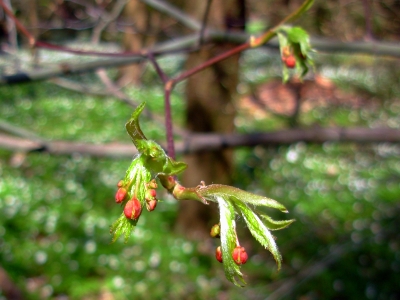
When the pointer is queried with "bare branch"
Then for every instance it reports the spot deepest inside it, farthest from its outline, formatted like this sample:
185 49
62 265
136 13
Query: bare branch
21 132
114 90
174 12
80 87
211 142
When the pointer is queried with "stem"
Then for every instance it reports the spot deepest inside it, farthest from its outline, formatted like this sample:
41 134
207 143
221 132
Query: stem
256 42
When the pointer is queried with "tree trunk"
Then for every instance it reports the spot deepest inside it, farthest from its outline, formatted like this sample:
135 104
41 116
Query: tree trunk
209 96
138 35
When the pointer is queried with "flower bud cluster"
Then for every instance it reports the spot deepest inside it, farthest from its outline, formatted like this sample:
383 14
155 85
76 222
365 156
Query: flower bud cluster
239 254
133 206
151 200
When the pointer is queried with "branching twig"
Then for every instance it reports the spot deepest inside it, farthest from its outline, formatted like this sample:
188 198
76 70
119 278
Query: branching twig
105 20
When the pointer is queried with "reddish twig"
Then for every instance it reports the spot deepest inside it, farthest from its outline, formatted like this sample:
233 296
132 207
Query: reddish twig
209 62
18 24
167 102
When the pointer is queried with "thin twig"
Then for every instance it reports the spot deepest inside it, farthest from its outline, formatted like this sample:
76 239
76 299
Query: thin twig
173 12
164 78
106 19
208 63
113 89
204 22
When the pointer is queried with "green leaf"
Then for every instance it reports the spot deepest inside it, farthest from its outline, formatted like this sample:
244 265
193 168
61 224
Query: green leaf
258 230
155 158
297 35
272 224
122 226
212 191
133 127
228 241
172 167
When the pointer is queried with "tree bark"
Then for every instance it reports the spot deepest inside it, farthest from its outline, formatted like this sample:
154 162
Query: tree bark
137 36
209 96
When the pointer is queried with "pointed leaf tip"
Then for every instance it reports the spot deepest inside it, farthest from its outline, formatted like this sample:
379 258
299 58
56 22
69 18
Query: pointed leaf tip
133 127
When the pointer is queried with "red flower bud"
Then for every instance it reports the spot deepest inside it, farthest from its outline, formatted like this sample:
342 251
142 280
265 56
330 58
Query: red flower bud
151 205
290 62
218 254
133 209
151 194
120 183
239 255
215 231
120 195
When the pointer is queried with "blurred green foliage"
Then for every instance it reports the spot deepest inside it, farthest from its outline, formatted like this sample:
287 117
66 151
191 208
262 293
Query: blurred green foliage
55 212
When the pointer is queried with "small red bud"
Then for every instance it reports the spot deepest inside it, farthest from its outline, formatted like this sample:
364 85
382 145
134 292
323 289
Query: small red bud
151 205
152 193
290 62
133 209
218 254
120 183
239 255
215 231
120 195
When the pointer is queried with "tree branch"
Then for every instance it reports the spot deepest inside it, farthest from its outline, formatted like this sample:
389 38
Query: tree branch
174 12
210 142
106 19
323 45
